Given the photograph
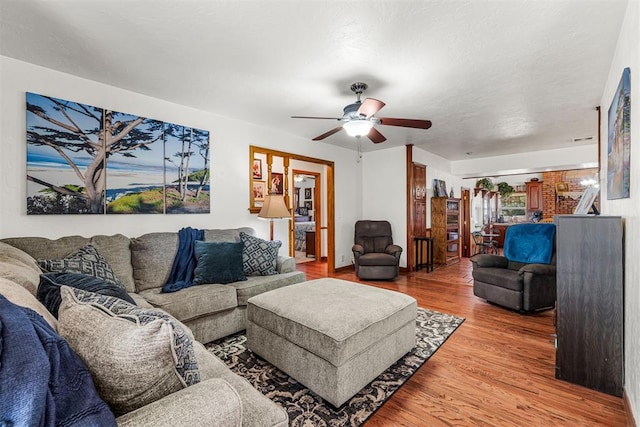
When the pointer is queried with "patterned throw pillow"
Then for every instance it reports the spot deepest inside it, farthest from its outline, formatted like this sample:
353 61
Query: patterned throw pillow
259 257
85 260
186 363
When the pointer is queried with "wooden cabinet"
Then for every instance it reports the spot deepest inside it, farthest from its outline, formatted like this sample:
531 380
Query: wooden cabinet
589 322
310 243
535 201
445 229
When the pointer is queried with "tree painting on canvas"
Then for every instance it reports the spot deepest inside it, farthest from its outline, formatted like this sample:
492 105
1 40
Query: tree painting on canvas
88 160
186 169
618 149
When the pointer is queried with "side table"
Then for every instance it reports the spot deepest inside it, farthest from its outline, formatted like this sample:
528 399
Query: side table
423 250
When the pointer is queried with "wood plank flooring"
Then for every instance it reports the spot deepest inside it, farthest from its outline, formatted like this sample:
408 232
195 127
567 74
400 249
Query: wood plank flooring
497 369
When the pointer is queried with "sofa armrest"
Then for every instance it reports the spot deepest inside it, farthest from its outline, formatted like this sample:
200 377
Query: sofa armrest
489 260
213 402
285 264
541 269
357 249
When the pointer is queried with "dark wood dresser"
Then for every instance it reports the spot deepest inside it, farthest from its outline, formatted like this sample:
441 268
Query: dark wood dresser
589 323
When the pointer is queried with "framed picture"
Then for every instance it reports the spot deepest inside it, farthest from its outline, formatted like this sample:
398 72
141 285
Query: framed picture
257 169
587 199
277 183
618 155
562 187
307 193
435 186
259 188
442 188
308 204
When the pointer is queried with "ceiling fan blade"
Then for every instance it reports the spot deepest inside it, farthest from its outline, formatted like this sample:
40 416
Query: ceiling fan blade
326 134
376 136
407 123
309 117
370 106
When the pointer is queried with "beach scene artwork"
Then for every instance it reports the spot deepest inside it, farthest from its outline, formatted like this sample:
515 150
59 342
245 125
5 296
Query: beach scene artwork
619 141
83 159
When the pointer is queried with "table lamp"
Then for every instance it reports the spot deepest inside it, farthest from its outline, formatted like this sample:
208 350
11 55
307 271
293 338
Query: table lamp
273 207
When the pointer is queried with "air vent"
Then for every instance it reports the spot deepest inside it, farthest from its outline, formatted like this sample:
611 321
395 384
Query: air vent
583 139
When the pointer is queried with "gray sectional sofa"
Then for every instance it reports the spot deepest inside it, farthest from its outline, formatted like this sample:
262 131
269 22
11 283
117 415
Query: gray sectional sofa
210 311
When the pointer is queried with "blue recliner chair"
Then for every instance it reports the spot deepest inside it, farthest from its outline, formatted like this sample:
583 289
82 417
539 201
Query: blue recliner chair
524 279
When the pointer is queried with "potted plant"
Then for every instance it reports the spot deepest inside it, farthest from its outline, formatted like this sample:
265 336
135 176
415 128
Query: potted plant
485 183
505 190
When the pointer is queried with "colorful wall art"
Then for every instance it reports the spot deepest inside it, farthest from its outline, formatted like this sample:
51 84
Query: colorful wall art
83 159
618 150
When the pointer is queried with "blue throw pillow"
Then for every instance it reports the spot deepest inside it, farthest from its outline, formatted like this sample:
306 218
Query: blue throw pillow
50 283
218 262
530 243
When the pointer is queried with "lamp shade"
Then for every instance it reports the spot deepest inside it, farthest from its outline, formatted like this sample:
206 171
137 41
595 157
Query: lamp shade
274 207
357 127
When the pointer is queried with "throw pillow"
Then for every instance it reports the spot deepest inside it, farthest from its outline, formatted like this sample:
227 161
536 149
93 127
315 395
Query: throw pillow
134 358
218 262
259 257
85 260
50 283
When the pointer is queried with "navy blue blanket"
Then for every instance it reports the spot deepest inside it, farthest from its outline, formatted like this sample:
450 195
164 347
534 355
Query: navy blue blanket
184 264
42 381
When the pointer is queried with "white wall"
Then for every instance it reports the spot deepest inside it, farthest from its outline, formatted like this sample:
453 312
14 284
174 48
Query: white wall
383 196
626 55
437 168
230 140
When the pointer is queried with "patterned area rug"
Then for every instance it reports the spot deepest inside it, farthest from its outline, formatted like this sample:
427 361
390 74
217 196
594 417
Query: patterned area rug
307 409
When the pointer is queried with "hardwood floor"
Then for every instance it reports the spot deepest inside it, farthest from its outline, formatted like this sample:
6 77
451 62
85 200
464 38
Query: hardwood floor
497 369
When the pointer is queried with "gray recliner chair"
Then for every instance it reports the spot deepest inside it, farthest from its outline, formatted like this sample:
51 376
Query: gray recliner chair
375 255
508 281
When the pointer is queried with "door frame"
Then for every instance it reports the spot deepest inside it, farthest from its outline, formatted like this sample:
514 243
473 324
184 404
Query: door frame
465 194
330 167
317 209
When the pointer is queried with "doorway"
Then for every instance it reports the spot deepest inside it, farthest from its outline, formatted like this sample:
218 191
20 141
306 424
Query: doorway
307 215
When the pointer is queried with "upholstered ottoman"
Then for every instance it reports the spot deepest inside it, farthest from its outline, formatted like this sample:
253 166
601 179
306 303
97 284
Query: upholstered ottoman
331 335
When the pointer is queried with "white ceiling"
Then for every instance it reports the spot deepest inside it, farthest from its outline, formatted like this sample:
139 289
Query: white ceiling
494 76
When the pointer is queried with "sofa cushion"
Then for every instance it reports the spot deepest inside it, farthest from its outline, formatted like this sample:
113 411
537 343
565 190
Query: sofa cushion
194 301
115 249
85 260
133 358
259 256
20 267
257 409
502 277
218 262
50 283
22 297
152 254
152 258
258 284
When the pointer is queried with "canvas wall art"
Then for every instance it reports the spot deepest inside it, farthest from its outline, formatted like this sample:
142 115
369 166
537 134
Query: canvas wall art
83 159
618 149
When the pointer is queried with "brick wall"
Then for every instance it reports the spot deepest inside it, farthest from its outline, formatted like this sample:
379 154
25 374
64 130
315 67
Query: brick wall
556 205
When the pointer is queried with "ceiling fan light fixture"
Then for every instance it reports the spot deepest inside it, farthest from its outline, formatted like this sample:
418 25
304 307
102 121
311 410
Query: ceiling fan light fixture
357 127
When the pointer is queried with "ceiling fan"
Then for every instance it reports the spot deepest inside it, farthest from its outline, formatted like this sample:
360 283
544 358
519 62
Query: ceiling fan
359 120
